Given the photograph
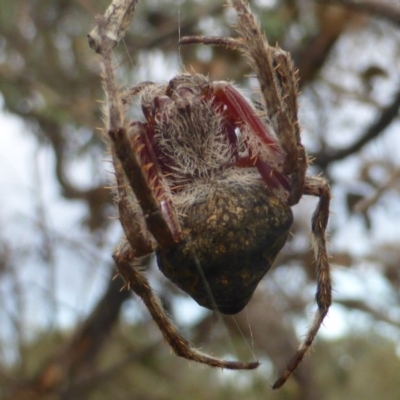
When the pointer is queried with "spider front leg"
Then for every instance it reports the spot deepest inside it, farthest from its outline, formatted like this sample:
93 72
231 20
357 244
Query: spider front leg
264 149
278 84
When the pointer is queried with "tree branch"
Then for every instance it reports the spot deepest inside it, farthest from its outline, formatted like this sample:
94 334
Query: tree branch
388 114
78 356
379 8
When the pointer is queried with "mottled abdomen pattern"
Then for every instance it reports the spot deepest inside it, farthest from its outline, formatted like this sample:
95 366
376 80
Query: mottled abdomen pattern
234 235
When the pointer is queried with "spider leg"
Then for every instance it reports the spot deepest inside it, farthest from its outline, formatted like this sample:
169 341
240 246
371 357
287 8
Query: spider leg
278 84
128 95
315 186
141 173
147 183
270 65
245 117
132 221
129 267
230 43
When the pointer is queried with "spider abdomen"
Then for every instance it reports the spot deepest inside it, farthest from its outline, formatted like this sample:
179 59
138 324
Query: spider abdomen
233 235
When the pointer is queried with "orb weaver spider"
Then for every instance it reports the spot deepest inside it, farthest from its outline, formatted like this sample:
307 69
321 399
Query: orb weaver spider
207 181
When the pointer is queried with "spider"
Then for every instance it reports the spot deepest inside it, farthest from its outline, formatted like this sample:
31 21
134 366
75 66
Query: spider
207 181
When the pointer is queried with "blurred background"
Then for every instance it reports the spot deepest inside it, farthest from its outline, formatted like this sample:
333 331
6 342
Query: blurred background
68 332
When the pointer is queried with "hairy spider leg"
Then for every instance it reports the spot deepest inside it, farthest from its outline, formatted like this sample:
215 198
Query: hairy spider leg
243 114
315 186
130 267
142 172
144 150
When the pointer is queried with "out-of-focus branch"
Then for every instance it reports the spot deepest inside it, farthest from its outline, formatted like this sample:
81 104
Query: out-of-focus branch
390 10
76 359
365 203
95 197
362 306
313 55
388 114
169 30
81 388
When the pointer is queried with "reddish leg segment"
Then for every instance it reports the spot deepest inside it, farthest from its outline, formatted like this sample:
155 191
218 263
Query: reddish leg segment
243 114
144 177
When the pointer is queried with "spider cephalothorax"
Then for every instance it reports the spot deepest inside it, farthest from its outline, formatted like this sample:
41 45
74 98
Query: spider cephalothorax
206 181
